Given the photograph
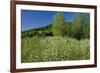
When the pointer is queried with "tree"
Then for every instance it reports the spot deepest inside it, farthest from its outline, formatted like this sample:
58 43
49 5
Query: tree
68 29
81 26
86 26
58 27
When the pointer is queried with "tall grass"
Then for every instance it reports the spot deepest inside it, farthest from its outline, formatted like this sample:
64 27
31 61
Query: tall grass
54 49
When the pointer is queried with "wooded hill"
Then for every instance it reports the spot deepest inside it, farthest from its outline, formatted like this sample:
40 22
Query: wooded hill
79 28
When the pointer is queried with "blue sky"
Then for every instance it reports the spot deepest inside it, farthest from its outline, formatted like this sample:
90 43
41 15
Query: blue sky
34 19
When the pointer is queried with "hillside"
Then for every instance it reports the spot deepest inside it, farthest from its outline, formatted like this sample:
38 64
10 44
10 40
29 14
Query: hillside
46 30
33 32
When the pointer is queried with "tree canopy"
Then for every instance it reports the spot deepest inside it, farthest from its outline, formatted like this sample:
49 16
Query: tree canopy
59 24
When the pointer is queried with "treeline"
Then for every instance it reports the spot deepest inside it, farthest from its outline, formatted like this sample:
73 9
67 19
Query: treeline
39 32
79 28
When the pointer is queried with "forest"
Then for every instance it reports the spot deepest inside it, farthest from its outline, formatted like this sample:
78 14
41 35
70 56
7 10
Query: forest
59 41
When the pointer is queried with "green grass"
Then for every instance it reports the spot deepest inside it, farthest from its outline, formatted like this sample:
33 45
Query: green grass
54 49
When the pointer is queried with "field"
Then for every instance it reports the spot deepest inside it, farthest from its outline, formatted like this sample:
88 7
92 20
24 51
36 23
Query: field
58 36
54 48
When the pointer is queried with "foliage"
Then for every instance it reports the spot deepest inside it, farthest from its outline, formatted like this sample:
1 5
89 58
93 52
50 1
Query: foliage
80 26
37 31
54 49
58 41
58 27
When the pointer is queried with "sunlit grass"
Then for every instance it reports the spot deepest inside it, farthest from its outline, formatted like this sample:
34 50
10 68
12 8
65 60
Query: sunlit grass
54 49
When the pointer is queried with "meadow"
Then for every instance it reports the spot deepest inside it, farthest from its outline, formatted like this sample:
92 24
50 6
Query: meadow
59 40
54 48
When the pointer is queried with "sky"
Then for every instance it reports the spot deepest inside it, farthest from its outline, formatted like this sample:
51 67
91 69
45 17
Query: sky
31 19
